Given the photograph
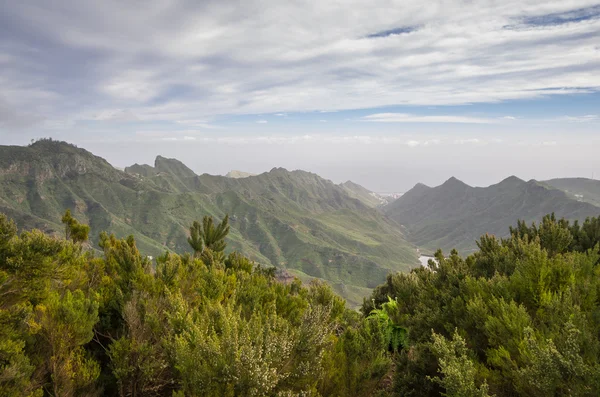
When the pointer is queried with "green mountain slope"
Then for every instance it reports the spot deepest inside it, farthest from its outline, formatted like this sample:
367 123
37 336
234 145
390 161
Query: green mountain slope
454 215
294 220
581 189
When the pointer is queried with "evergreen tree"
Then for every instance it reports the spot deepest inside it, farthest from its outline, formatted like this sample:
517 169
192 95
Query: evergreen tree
209 236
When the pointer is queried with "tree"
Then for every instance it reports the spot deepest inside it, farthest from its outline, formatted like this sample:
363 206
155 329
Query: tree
75 231
208 236
457 368
66 323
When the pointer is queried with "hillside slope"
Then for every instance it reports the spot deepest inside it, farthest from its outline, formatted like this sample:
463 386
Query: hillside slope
363 194
294 220
454 214
581 189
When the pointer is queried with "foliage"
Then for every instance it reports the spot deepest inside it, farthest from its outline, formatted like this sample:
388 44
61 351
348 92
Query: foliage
208 237
396 336
521 316
73 229
456 367
76 324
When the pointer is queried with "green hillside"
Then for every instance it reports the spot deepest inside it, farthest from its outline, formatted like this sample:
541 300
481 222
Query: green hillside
581 189
454 215
293 220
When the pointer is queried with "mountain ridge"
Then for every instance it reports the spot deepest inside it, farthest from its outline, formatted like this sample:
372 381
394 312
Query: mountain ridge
454 214
294 220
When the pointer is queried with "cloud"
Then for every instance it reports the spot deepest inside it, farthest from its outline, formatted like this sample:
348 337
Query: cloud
580 119
13 118
262 121
200 60
198 124
509 118
411 118
468 141
116 115
318 139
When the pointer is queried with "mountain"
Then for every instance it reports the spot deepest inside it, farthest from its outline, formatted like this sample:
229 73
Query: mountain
293 220
454 214
363 194
238 174
581 189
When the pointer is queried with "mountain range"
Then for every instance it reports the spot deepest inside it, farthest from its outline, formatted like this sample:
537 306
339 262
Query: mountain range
454 214
294 220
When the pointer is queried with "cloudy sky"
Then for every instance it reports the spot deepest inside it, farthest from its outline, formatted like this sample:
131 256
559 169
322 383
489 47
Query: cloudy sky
386 93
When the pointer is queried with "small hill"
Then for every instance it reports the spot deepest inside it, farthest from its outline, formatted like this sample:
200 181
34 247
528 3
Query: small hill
294 220
581 189
454 214
238 174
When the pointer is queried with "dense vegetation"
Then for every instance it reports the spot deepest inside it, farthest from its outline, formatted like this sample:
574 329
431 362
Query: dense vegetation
454 214
208 324
519 317
293 220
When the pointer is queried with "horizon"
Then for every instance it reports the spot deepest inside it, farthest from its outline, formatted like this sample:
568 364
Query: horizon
386 97
338 182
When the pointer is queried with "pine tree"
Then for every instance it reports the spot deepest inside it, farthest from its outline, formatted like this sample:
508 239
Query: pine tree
208 236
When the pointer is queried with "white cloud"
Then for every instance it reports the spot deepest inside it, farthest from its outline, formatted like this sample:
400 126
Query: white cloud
410 118
549 143
189 60
262 121
198 124
307 139
580 119
509 118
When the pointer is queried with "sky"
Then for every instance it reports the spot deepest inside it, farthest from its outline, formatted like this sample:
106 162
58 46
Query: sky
385 93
